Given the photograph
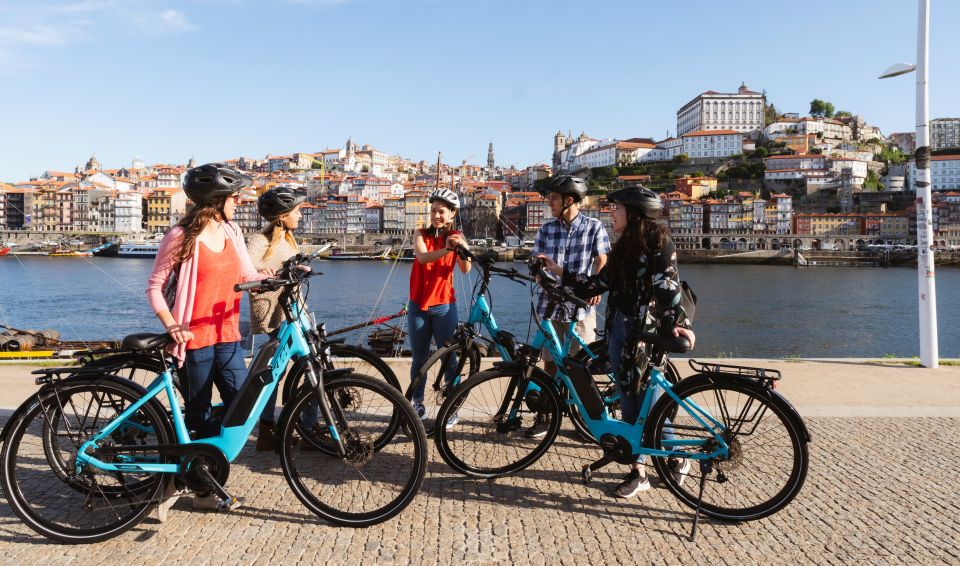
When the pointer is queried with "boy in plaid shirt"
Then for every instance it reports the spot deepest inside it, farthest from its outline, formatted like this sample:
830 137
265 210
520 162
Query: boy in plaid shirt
577 243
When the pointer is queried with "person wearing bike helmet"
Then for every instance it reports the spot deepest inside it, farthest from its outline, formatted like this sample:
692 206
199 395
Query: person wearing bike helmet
575 242
644 284
432 310
206 256
269 248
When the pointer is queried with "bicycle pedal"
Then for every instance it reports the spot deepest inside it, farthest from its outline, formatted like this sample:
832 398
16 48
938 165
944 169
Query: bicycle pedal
229 504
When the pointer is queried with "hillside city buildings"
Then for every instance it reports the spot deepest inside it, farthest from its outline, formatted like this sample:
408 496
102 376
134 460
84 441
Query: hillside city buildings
818 175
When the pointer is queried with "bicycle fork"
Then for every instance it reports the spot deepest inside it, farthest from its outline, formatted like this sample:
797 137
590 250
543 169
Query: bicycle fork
330 410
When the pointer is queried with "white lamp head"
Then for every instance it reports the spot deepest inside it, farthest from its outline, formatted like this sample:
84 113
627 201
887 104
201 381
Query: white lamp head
897 70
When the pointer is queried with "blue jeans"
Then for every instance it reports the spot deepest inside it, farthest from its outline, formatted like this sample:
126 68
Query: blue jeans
630 401
437 323
221 364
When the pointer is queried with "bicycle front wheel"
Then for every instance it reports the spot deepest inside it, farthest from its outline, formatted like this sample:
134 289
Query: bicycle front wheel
499 429
768 456
42 482
444 370
359 359
371 483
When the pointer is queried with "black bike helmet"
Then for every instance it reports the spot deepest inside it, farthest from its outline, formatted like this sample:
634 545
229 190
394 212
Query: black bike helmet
209 181
566 185
279 200
641 198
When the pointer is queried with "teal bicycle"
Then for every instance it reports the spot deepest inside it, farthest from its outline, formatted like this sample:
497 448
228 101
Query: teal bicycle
460 357
89 455
741 436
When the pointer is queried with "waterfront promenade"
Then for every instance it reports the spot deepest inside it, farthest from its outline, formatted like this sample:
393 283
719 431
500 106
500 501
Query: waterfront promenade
882 488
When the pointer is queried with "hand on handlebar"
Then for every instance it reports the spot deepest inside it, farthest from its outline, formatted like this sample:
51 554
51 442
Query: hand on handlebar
593 301
267 272
550 265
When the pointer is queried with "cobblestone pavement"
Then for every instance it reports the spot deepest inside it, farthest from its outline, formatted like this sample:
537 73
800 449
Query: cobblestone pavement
869 498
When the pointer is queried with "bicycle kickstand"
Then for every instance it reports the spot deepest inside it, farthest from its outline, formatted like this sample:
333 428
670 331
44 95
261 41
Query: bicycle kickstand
227 501
706 466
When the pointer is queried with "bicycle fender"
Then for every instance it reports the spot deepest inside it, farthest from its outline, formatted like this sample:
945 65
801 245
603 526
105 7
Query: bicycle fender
46 388
772 394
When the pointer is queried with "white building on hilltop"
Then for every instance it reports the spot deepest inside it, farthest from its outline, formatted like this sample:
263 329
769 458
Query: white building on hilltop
712 144
741 111
944 133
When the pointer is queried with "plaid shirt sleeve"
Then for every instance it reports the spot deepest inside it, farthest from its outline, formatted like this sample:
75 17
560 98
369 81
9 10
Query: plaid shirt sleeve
601 243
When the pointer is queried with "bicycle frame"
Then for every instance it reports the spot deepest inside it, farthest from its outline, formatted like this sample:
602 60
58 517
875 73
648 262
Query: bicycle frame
606 424
293 343
481 314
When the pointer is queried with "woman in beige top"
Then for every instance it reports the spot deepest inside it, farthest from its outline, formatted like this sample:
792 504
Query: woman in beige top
268 249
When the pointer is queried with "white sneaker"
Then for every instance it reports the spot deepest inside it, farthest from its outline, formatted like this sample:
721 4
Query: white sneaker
679 468
210 502
452 421
170 496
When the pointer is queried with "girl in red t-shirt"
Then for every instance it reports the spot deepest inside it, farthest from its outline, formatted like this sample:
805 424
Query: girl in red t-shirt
432 311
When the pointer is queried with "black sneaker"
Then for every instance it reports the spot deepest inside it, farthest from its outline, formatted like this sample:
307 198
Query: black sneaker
539 428
632 484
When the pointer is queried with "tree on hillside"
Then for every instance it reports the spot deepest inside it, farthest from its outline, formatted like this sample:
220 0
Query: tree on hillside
821 108
770 114
843 114
681 158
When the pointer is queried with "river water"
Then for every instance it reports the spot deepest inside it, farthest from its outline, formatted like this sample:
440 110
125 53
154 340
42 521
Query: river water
743 311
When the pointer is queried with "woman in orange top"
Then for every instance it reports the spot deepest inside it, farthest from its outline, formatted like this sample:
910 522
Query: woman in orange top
432 311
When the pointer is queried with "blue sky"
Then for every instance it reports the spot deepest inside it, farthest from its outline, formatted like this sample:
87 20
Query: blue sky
216 79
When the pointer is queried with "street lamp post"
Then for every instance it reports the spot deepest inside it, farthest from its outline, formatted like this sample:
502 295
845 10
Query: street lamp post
927 289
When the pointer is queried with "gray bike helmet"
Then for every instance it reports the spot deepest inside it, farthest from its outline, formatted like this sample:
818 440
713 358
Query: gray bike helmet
205 183
641 198
566 185
280 200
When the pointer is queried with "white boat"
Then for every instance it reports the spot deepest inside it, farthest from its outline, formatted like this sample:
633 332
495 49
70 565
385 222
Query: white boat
139 249
142 248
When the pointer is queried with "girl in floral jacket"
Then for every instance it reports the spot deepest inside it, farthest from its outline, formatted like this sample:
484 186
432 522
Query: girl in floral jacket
645 293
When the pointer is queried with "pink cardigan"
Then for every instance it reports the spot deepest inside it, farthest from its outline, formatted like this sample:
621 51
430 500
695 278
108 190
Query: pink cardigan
187 283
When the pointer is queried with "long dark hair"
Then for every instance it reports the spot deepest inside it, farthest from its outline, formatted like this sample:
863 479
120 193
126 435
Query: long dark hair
195 220
641 236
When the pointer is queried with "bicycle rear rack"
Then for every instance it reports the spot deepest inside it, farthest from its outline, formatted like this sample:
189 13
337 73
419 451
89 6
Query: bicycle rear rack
765 376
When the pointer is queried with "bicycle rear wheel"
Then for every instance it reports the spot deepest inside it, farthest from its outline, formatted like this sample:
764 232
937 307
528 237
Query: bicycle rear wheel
141 369
40 477
768 457
372 483
488 442
444 369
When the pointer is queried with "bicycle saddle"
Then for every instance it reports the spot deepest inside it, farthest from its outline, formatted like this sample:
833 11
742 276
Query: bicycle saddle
146 341
672 344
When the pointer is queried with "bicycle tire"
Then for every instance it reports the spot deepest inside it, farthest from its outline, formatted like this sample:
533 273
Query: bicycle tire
747 427
436 387
316 462
478 425
369 364
18 460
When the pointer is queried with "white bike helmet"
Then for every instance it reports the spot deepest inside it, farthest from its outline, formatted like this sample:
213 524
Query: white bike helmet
447 196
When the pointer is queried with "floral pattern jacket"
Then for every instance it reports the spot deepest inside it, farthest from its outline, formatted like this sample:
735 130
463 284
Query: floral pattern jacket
648 302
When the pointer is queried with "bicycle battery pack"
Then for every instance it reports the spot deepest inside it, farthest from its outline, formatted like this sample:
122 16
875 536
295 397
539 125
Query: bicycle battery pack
586 388
257 378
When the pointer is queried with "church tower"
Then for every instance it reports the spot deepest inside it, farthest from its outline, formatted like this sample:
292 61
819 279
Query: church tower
490 162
